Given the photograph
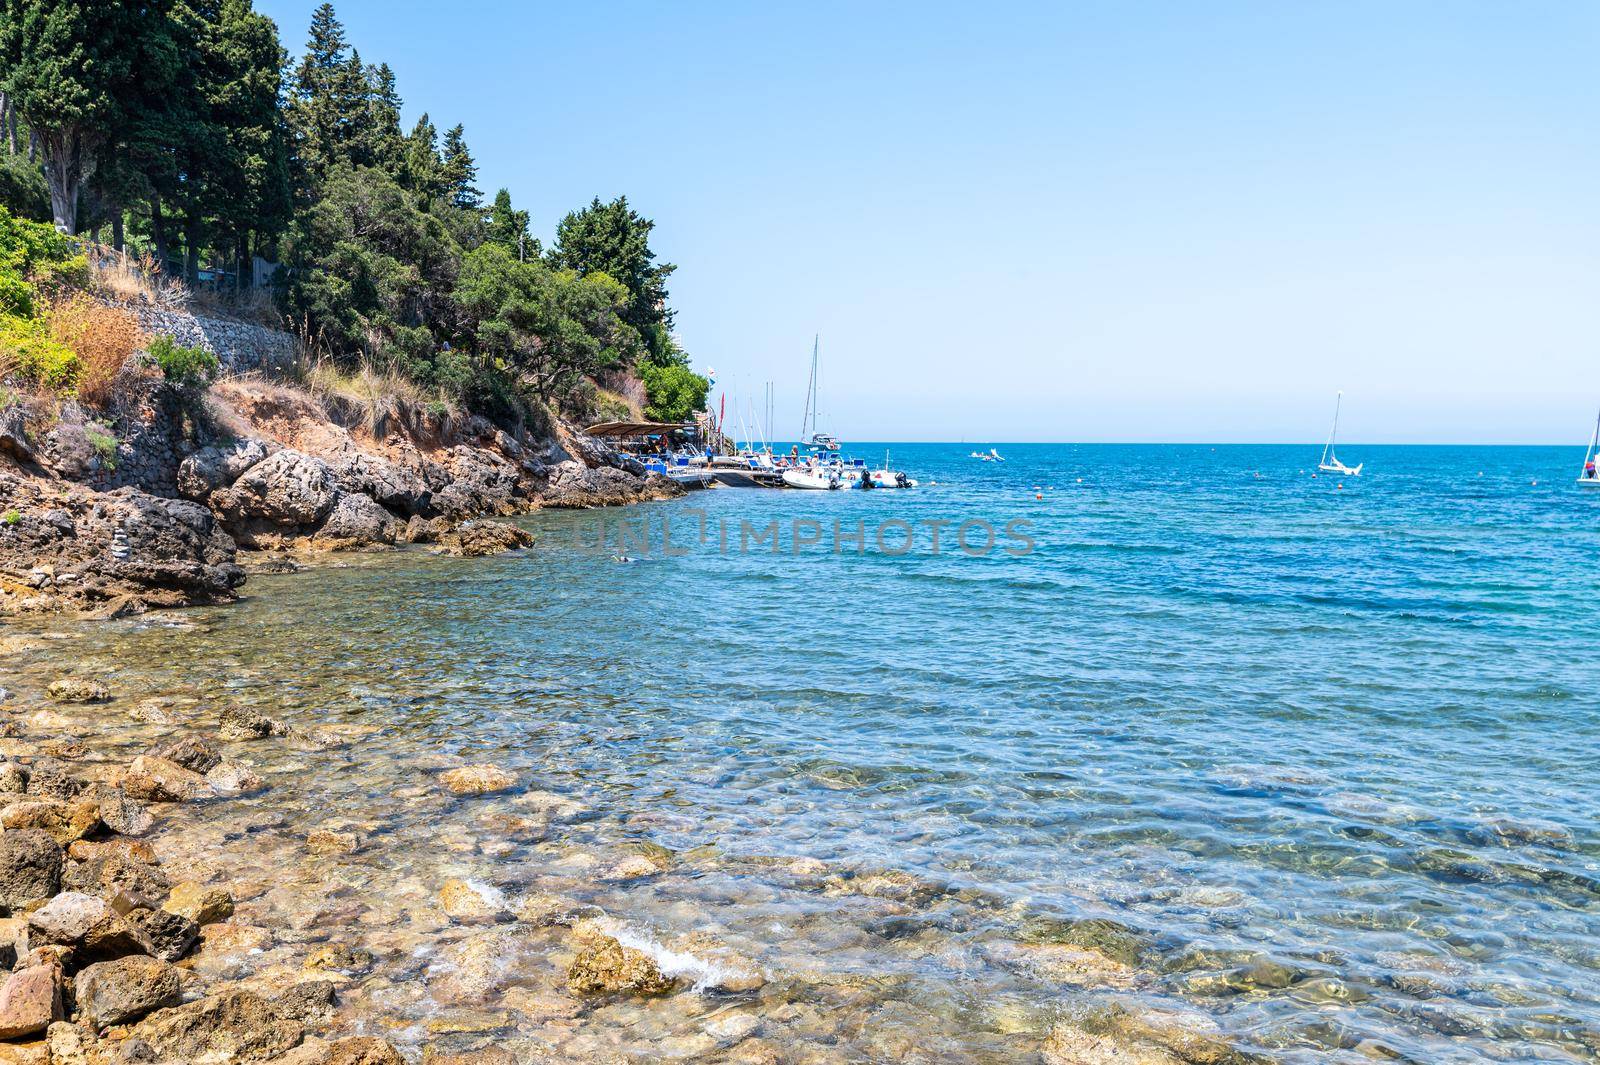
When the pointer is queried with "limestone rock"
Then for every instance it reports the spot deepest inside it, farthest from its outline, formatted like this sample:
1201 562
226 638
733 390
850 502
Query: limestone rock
338 958
116 871
288 488
465 900
158 780
199 903
358 521
30 1000
191 752
124 815
215 467
239 723
233 1026
308 1000
64 821
49 779
605 966
116 992
1070 1045
79 690
88 923
328 841
364 1050
474 539
477 780
30 867
235 777
172 936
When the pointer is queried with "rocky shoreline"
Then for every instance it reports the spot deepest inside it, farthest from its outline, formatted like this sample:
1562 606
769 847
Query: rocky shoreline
160 501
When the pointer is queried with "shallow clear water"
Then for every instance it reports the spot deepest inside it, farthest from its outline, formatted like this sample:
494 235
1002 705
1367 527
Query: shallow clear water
1324 751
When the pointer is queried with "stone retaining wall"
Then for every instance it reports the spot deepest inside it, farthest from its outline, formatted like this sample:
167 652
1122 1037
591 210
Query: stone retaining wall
240 346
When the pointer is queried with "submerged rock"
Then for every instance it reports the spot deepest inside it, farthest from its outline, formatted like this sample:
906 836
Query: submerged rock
158 780
191 752
116 992
239 723
235 777
474 539
199 903
477 780
79 690
604 966
466 900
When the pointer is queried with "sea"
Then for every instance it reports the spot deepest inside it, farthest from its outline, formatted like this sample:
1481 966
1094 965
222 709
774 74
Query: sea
1307 764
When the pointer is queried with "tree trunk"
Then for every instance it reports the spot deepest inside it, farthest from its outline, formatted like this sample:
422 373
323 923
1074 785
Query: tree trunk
5 121
63 172
116 229
158 231
191 249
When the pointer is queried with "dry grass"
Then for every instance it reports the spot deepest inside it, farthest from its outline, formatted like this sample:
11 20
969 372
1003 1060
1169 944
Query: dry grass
102 337
377 395
122 278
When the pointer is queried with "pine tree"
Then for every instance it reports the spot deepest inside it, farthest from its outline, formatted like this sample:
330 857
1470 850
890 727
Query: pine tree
421 167
509 228
387 144
316 109
460 171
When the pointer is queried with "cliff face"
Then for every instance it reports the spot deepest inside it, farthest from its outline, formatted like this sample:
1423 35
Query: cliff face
151 502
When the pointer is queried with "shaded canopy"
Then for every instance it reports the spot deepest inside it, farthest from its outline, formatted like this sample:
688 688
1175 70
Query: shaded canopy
637 428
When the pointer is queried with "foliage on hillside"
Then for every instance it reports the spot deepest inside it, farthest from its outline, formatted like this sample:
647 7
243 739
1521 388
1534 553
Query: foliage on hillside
193 137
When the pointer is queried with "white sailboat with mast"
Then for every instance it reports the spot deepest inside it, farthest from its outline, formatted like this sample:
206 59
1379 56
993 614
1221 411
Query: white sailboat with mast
810 435
1588 473
1330 462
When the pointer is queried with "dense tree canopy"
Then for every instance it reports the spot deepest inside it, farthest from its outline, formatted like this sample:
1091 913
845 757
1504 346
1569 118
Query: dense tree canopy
185 127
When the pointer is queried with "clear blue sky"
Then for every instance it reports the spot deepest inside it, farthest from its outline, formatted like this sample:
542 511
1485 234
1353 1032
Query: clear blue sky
1071 221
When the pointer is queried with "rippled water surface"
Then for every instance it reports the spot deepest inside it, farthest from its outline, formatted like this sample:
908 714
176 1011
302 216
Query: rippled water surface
1318 759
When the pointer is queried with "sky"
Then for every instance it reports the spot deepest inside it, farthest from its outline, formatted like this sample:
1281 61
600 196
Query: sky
1093 221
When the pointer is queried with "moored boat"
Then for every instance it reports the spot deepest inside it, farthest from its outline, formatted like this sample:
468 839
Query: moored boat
1588 475
1330 462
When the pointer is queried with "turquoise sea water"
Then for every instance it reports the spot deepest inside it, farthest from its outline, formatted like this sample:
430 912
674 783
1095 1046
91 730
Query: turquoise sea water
1317 758
1346 727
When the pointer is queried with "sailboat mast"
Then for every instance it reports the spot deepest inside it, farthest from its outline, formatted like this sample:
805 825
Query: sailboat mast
810 418
1334 432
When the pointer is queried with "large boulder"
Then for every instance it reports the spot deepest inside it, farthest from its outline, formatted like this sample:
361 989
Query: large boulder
217 467
395 487
116 992
87 923
288 488
14 435
357 521
152 779
89 550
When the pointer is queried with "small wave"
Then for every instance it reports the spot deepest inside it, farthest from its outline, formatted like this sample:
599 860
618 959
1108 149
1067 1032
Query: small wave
704 974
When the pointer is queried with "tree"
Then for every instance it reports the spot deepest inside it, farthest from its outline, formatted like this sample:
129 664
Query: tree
549 327
422 171
384 143
326 95
509 228
675 392
613 239
368 267
67 66
459 171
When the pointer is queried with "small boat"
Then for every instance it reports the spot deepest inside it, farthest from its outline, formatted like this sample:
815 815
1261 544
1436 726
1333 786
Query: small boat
991 456
1588 475
1330 462
888 478
814 478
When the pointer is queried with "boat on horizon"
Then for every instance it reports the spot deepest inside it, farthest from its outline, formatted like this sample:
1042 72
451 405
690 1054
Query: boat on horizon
1330 462
1588 475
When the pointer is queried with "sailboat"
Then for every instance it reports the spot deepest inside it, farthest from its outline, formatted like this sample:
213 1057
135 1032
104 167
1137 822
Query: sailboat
810 436
823 471
1330 462
1588 475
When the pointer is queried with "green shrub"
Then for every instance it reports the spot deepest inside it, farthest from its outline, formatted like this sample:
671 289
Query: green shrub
187 368
675 392
105 446
38 356
11 517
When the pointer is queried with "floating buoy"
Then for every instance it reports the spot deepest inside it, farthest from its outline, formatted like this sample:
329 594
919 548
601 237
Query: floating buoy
1341 486
1536 483
1038 495
1080 480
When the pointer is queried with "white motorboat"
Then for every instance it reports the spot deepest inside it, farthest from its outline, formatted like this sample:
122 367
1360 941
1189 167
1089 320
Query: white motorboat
889 478
1330 462
991 456
1588 474
815 478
